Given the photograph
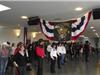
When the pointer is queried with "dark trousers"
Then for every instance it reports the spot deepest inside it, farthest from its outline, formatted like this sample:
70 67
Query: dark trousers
22 70
52 66
17 71
40 66
48 56
86 56
58 62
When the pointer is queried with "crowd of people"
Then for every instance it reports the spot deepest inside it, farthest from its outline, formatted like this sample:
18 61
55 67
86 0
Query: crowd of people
20 56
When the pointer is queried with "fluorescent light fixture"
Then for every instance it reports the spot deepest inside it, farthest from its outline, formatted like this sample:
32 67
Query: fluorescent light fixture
91 27
24 17
94 30
78 9
3 8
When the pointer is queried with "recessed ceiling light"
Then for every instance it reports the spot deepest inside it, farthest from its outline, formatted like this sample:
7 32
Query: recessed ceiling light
78 9
24 17
3 8
91 27
94 30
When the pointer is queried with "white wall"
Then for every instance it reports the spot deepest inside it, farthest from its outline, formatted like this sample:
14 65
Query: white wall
8 34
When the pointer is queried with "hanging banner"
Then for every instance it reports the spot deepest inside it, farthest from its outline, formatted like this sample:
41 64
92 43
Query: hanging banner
80 25
61 31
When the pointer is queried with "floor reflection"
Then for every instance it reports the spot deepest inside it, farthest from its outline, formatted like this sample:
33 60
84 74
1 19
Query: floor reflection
72 67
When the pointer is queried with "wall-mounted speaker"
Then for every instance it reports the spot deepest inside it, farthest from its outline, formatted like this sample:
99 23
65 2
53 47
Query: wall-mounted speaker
96 13
33 20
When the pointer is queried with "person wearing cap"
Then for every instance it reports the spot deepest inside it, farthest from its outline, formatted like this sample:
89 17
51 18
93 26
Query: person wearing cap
4 54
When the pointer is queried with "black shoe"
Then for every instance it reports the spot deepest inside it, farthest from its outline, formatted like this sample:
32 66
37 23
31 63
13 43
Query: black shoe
59 67
53 72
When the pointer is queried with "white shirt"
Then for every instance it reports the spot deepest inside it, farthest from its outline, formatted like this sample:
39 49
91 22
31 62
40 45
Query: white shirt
63 50
53 53
49 48
59 50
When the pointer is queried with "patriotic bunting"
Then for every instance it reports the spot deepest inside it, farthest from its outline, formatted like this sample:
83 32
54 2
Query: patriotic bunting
77 28
47 29
80 25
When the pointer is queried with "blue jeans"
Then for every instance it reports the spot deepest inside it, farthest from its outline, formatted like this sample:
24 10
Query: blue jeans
3 65
62 59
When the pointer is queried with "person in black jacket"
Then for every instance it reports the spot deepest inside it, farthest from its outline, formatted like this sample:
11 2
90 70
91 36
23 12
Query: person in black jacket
20 60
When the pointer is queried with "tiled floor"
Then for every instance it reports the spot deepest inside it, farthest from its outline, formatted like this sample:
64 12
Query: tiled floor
73 67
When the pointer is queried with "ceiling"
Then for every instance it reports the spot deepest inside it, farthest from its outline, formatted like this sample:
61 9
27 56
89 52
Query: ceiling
48 10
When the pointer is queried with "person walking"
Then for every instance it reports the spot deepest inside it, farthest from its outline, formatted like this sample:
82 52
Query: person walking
4 54
86 50
53 56
40 54
20 59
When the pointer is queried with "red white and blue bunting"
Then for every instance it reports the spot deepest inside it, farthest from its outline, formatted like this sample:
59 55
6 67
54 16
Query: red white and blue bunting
77 28
47 29
80 25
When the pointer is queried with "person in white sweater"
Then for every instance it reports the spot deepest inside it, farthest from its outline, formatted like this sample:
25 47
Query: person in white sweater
53 55
63 53
48 51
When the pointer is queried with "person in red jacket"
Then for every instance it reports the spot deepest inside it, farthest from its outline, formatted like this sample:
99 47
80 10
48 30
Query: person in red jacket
40 54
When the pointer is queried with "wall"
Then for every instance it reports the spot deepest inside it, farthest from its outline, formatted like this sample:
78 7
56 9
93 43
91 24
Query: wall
8 34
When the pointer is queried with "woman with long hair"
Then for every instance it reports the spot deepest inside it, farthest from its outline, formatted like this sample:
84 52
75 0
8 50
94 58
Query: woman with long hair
20 59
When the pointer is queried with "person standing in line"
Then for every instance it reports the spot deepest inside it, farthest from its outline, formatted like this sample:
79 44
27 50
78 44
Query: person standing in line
81 50
86 49
40 54
49 50
63 54
4 54
16 51
53 56
20 60
59 52
13 49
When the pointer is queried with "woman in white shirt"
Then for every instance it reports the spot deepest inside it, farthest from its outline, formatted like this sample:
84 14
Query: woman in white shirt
53 55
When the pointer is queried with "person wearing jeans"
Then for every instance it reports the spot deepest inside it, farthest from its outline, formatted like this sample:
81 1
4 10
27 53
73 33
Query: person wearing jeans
4 54
3 65
63 53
